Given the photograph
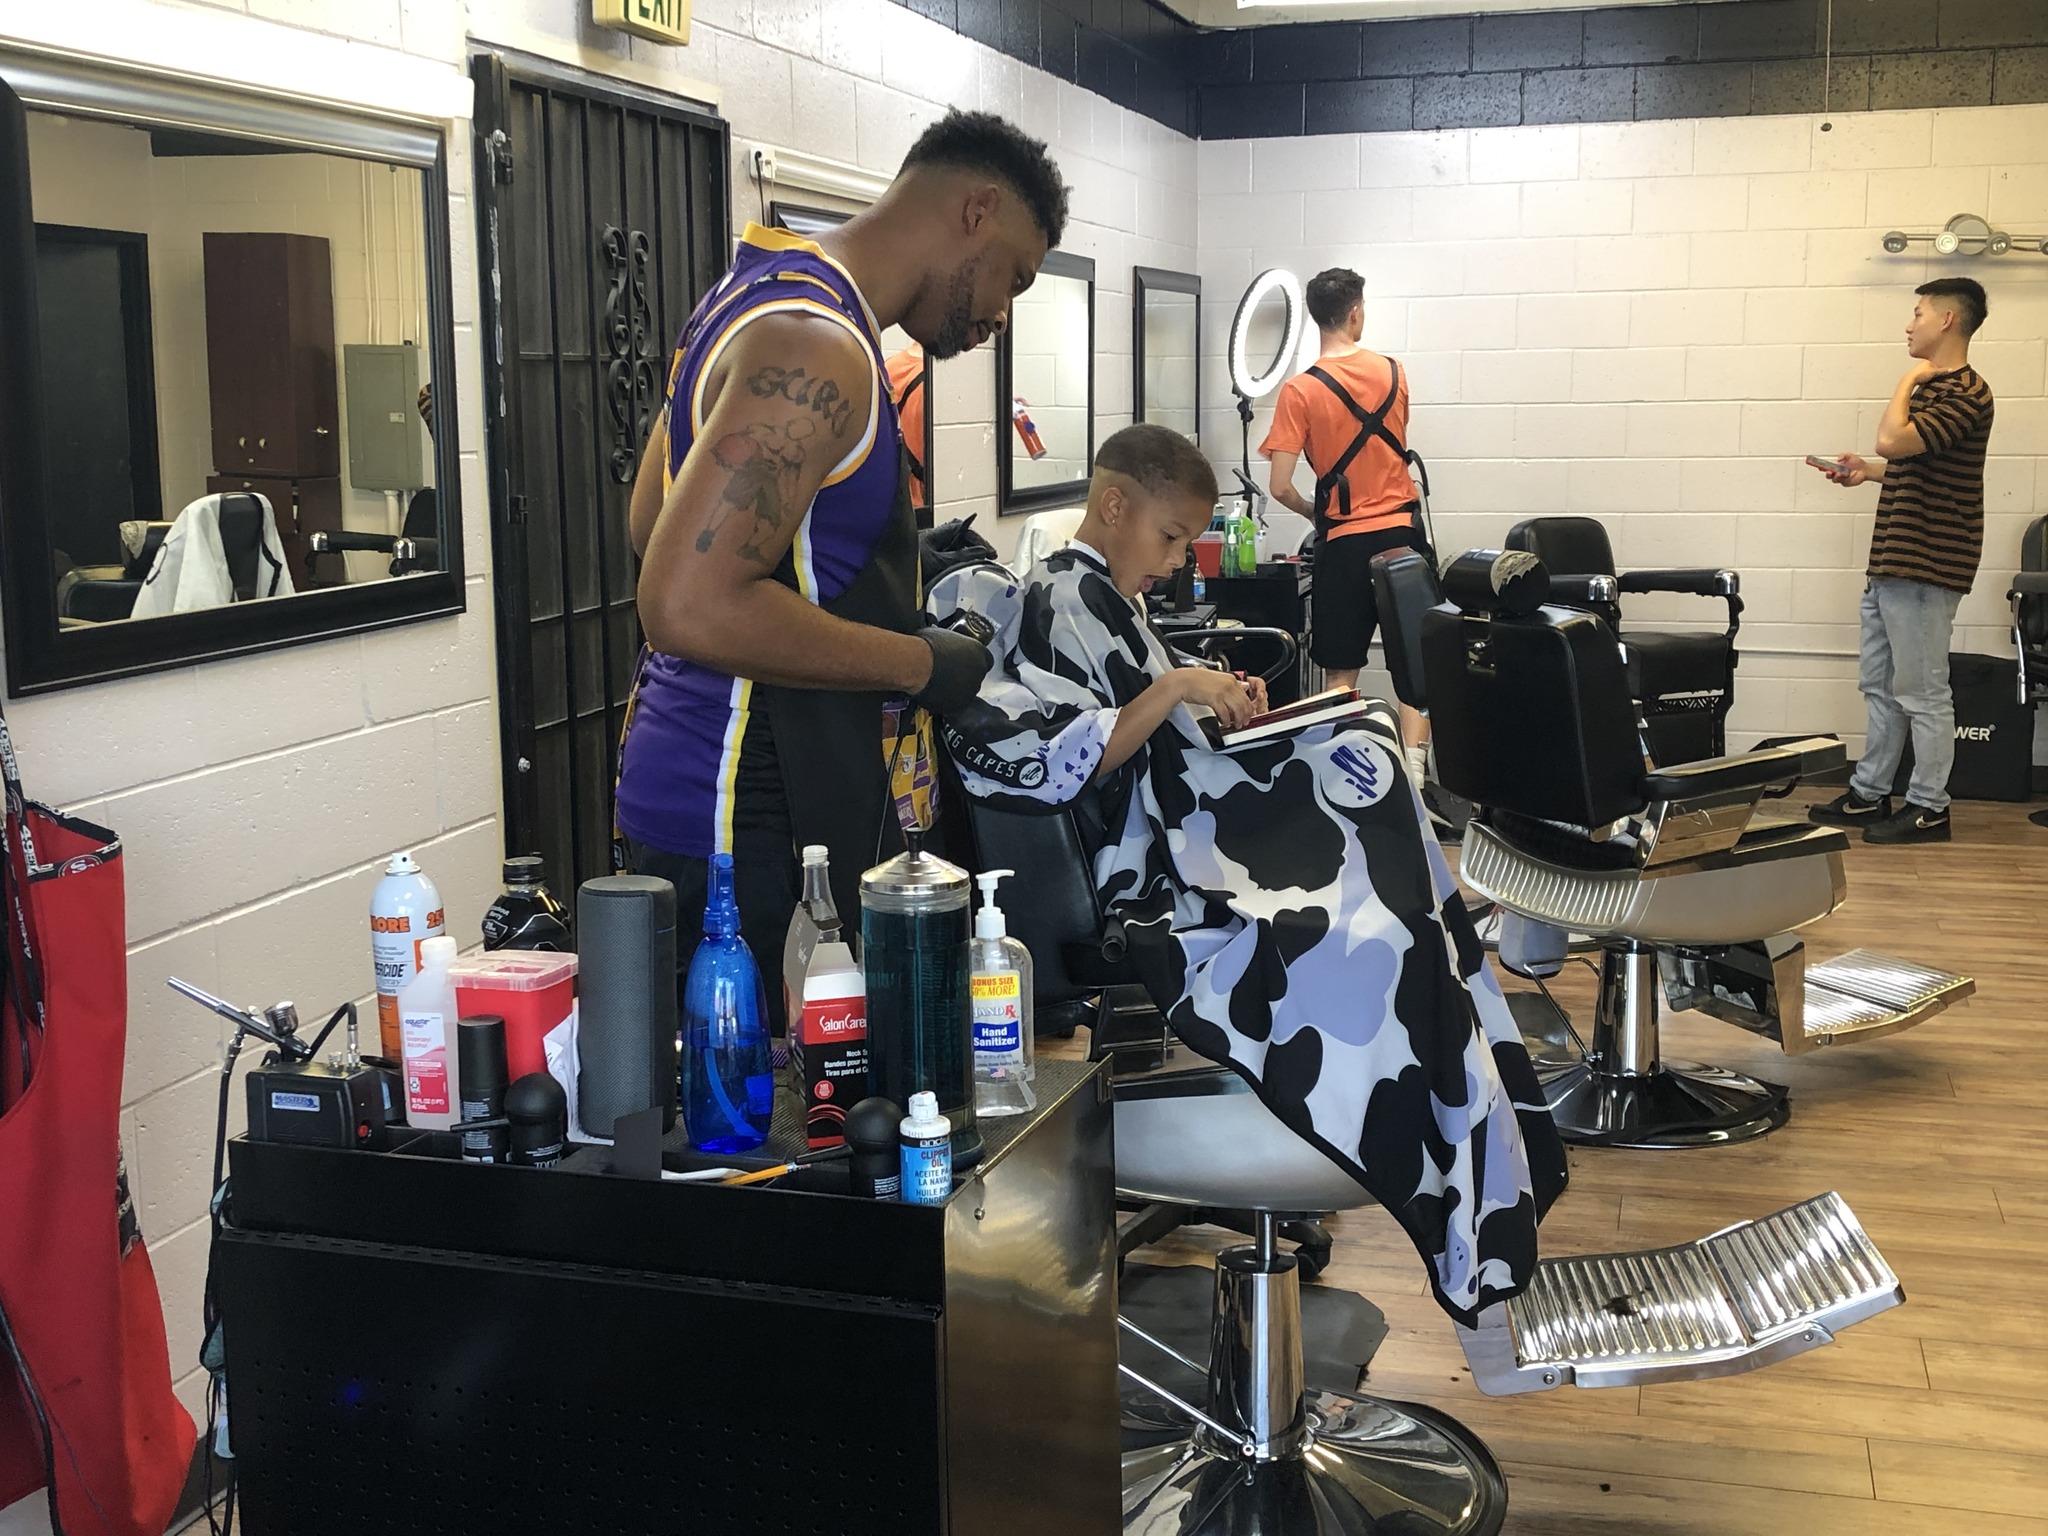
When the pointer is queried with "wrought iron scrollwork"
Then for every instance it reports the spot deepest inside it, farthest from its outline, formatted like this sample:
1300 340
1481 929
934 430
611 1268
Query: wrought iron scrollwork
633 373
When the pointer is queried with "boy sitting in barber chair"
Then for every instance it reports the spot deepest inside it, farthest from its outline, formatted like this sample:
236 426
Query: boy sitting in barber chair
1285 902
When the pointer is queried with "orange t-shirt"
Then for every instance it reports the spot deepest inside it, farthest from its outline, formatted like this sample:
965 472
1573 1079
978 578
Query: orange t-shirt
906 369
1311 421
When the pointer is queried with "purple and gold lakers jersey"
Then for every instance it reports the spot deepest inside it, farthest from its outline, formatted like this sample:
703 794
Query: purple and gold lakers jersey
680 760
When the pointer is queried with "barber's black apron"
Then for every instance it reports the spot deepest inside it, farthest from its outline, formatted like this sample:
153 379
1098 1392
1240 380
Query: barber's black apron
829 747
1333 484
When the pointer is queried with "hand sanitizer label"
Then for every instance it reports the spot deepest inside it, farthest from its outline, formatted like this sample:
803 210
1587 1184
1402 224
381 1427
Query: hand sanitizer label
998 1019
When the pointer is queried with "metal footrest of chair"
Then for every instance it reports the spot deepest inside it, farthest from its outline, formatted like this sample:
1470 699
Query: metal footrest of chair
1864 994
1748 1296
1768 988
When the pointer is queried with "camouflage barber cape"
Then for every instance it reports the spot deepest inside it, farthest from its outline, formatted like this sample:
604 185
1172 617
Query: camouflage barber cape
1288 908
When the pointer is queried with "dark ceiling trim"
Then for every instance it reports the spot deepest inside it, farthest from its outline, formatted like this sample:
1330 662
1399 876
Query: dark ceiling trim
1728 58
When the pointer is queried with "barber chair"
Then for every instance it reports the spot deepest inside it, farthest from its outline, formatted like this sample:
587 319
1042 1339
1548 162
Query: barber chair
2029 598
415 549
1687 890
2028 595
103 594
1684 682
1262 1454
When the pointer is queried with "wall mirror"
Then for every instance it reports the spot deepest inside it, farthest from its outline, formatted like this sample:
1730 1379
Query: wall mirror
910 381
226 410
1045 387
1166 321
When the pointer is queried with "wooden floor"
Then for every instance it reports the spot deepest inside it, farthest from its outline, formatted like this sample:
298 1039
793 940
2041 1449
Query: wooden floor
1930 1419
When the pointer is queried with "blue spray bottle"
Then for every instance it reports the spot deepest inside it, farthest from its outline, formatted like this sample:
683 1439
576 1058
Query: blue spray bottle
725 1082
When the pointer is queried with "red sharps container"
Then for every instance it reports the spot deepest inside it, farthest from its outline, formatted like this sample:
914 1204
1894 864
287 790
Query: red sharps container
531 990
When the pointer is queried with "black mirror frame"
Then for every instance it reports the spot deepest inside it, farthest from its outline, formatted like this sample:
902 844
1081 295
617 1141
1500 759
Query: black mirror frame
1145 280
780 212
1012 498
41 657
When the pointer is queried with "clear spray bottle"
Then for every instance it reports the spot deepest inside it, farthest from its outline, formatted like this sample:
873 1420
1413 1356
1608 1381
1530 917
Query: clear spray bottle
1003 1067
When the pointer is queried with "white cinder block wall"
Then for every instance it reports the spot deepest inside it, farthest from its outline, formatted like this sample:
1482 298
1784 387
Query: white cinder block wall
258 798
1649 322
1652 324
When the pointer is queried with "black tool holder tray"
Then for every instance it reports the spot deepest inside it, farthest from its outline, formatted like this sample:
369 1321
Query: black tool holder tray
422 1345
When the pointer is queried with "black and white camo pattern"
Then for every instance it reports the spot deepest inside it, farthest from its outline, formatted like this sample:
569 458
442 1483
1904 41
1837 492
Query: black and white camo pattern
1289 910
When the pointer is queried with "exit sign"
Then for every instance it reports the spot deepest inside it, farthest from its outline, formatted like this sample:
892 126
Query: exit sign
664 21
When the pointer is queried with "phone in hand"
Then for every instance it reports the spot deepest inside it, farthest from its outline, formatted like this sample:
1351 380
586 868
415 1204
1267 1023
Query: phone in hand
1826 466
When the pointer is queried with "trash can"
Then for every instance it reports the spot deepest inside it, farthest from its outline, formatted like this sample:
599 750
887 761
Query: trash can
1994 732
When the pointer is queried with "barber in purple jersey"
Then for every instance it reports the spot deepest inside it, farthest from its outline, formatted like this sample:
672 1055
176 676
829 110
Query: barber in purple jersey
782 695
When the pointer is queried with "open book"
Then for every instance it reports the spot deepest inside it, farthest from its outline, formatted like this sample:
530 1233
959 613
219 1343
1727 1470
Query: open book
1317 709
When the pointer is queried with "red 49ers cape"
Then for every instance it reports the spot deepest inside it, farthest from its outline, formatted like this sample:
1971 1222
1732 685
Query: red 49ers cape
85 1379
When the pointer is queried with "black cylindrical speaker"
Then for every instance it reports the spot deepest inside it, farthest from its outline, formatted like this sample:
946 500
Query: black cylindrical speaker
626 1013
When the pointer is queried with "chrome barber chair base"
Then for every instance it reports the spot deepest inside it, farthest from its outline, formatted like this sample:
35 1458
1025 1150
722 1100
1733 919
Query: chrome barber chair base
1371 1468
1681 1104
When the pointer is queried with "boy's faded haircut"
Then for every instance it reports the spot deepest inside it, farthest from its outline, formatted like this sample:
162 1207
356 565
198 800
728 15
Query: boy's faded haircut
1159 459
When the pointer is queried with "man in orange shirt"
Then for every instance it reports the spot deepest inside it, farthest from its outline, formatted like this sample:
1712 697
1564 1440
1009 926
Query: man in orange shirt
1348 416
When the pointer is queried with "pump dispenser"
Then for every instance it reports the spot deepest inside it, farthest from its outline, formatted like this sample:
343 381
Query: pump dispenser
1003 1068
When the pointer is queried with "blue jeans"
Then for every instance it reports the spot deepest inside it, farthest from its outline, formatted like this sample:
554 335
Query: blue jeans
1903 676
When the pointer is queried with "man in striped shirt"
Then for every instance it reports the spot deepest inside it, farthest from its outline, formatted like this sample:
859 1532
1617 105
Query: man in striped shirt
1923 558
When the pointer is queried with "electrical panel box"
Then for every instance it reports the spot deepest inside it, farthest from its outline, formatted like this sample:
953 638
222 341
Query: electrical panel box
386 436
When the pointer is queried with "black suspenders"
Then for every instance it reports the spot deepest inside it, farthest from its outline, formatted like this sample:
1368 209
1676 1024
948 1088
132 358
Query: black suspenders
1372 424
916 383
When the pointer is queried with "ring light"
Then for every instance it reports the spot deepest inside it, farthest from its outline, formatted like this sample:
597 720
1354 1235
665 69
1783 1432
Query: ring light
1288 286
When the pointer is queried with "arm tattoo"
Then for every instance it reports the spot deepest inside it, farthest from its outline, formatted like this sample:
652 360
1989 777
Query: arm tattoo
799 388
765 462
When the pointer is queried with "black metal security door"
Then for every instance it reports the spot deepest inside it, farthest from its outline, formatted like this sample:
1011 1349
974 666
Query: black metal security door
602 216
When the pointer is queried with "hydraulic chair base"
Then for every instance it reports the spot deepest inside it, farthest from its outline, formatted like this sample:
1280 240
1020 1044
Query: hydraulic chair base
1371 1462
1680 1104
1271 1457
1620 1094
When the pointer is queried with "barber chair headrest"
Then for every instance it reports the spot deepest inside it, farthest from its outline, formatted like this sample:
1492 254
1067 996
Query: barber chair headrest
1494 583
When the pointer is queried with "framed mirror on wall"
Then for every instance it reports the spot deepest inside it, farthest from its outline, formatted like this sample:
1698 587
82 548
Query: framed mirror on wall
910 374
1045 388
1166 321
226 340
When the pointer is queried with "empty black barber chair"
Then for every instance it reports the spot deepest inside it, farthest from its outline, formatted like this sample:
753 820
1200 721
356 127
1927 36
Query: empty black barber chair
2029 597
415 549
1683 681
1688 892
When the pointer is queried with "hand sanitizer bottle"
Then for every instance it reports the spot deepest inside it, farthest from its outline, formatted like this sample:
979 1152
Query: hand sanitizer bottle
1002 1011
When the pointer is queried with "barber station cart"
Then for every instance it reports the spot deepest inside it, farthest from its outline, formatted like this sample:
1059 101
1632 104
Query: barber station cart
436 1348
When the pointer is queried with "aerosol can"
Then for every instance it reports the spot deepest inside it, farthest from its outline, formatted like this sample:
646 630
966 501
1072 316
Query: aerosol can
404 913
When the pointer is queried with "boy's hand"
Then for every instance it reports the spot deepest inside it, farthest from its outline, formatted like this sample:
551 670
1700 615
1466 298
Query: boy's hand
1220 693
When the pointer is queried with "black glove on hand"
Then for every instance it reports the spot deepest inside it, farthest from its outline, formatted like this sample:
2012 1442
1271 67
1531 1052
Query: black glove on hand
959 663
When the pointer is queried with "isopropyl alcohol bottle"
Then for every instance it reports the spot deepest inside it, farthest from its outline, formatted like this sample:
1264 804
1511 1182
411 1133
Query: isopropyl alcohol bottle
1001 985
405 911
427 1018
815 922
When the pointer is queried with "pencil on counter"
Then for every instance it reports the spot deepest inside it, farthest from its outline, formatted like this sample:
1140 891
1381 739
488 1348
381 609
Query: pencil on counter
760 1175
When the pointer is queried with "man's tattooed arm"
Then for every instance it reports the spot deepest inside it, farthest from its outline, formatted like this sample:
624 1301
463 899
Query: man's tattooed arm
765 465
798 387
765 462
789 403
